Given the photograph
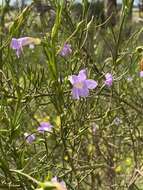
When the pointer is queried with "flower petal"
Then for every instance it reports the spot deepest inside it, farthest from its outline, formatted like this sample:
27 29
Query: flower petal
66 50
91 84
75 93
28 40
73 79
54 179
84 92
29 138
24 41
18 52
14 43
82 75
141 73
45 127
109 79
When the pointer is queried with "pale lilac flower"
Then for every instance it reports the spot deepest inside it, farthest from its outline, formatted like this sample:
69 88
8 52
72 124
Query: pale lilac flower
59 185
109 79
81 84
94 127
29 138
117 121
141 74
129 79
66 50
45 127
54 179
17 44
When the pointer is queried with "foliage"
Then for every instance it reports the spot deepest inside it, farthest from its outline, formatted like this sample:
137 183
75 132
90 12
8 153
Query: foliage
94 142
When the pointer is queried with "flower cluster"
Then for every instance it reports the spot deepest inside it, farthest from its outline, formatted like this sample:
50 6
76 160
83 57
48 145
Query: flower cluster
81 84
43 127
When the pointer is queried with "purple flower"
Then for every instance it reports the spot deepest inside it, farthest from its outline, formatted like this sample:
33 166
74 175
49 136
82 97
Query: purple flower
45 127
59 185
81 85
109 79
66 50
17 44
141 74
117 121
54 179
29 138
129 79
94 128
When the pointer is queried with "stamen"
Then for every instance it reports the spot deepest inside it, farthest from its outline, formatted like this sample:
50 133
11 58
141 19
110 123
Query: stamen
79 85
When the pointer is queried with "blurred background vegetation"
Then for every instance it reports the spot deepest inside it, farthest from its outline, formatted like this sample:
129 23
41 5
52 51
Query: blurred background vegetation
96 142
